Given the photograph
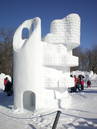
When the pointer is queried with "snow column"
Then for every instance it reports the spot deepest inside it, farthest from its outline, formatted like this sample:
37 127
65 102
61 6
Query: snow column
28 77
27 64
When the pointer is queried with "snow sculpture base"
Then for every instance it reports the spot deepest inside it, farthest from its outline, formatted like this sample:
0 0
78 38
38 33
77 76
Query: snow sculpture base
42 68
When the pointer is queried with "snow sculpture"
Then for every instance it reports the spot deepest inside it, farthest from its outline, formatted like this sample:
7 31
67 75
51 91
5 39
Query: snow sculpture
42 67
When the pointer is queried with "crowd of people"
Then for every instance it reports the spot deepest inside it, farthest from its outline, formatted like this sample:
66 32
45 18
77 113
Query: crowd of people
79 83
8 86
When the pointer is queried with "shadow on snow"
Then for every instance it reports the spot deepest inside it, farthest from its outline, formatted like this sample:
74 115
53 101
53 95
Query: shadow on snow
6 101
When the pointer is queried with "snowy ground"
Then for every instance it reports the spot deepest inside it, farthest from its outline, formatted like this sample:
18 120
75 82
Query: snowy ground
82 114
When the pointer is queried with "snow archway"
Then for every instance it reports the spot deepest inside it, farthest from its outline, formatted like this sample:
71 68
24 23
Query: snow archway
29 100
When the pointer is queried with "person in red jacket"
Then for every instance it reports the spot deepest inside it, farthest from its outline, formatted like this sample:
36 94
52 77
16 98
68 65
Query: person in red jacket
8 86
5 83
73 89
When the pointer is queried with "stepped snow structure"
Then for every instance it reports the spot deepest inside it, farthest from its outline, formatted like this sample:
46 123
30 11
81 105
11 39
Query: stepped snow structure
42 66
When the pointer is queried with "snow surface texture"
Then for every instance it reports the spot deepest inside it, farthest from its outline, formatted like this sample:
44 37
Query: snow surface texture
82 114
42 68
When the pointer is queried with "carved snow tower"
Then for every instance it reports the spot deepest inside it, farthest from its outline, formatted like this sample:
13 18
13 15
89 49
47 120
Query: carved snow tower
41 71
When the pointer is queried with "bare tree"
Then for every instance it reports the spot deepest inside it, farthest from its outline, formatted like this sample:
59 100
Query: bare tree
6 51
87 59
94 59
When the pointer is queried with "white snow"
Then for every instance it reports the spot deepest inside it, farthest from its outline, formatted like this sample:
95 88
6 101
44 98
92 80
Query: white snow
44 64
80 111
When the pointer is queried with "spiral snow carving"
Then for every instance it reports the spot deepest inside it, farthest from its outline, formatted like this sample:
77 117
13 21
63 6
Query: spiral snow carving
41 71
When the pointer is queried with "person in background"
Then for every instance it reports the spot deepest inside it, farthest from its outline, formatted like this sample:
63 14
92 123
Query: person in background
78 84
81 81
5 83
88 83
8 86
82 84
72 89
75 79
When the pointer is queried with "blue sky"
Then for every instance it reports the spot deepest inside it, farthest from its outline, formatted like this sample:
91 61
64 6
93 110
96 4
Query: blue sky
14 12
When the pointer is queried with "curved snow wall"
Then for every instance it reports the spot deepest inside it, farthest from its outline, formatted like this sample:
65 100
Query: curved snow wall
27 60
